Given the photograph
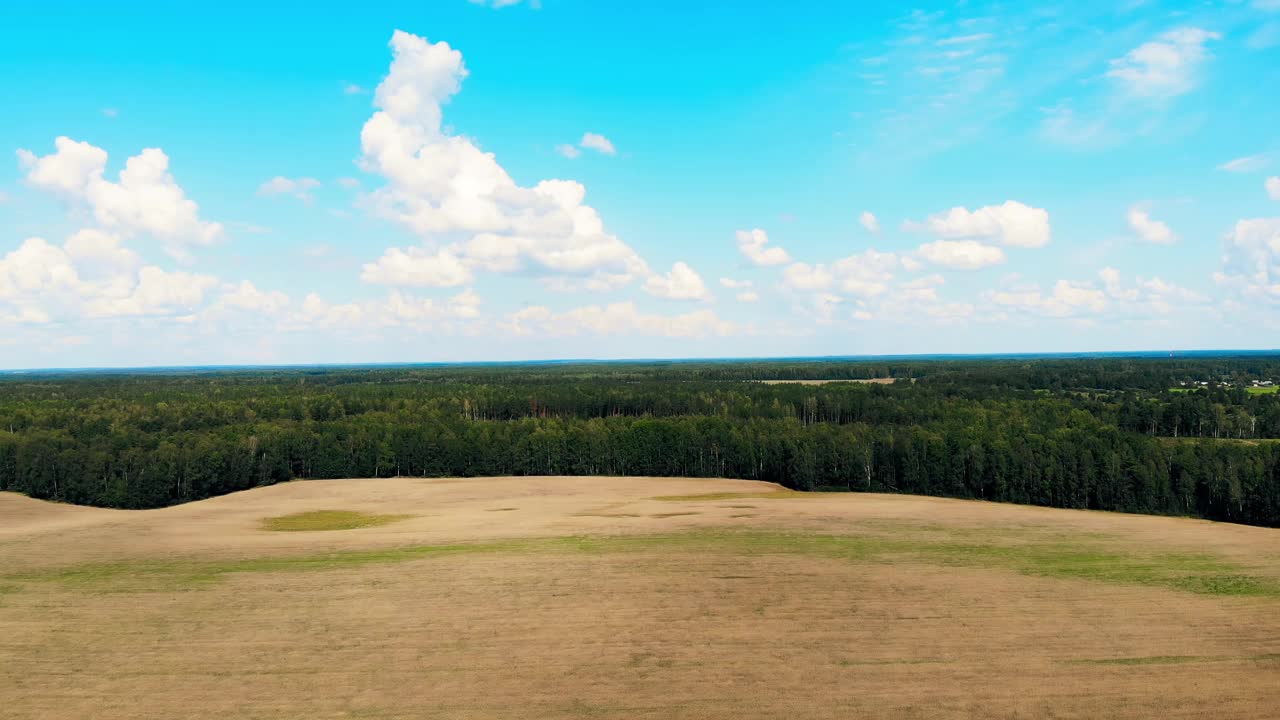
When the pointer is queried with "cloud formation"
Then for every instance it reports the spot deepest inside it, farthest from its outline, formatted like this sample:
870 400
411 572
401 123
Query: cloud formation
1166 66
145 200
1149 229
442 185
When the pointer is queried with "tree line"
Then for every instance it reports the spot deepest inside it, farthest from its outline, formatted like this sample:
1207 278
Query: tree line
1089 433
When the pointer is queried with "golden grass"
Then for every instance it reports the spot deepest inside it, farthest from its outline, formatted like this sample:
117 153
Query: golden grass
317 520
585 605
780 494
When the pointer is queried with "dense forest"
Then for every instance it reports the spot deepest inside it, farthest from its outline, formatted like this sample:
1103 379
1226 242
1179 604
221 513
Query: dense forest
1195 436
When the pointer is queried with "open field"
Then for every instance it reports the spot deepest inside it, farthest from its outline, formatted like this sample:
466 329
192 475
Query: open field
628 598
864 381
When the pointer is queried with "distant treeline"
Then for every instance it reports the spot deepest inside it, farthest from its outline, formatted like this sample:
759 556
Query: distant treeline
1105 433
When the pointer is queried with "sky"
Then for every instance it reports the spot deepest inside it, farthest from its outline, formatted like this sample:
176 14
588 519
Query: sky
466 180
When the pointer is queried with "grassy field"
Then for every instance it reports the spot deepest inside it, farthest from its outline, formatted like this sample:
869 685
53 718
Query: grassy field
628 598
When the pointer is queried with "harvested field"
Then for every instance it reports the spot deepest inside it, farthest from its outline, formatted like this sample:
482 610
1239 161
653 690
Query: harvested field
867 381
629 598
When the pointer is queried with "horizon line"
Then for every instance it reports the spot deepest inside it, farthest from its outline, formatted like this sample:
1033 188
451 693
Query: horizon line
1118 354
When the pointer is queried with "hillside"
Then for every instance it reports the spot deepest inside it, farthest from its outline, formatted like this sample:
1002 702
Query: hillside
550 597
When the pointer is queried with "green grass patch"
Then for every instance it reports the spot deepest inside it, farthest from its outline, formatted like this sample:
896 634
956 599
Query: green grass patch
1091 560
1263 390
328 520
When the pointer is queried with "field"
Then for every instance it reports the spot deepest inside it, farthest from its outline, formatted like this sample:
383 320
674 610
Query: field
628 598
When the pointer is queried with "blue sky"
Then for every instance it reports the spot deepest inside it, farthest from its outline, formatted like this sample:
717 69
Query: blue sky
451 180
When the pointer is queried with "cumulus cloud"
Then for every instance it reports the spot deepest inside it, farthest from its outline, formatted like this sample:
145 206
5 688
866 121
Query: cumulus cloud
297 187
751 243
734 284
1149 229
568 151
682 283
417 268
622 318
1012 224
869 221
1273 187
444 185
91 276
961 254
1148 295
865 274
1166 66
802 276
1068 299
1251 259
145 200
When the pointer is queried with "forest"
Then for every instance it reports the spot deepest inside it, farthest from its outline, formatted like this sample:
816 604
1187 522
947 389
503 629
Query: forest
1194 436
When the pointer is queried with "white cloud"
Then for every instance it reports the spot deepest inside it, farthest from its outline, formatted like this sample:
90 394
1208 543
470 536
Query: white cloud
1249 163
1012 224
444 185
824 307
961 254
300 187
599 143
1251 259
734 284
1147 296
801 276
748 296
353 89
682 283
499 4
145 200
752 245
964 39
349 183
1164 67
90 276
157 292
246 296
589 141
417 268
1067 299
866 274
869 221
1273 187
622 318
1149 229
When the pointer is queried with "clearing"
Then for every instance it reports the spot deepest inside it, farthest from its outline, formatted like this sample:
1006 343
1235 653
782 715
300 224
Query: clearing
546 597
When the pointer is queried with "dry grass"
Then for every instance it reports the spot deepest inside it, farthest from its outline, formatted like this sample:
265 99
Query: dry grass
589 597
